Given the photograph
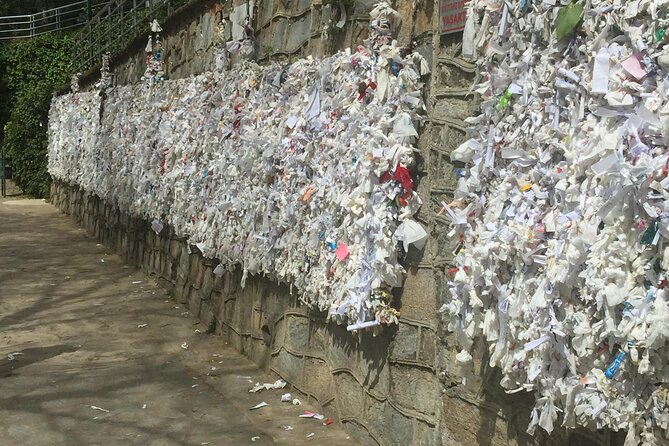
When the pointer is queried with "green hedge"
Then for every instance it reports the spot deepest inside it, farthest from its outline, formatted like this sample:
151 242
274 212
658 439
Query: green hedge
30 70
25 141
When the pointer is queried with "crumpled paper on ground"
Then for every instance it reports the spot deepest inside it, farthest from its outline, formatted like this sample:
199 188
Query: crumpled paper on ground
269 167
278 384
562 211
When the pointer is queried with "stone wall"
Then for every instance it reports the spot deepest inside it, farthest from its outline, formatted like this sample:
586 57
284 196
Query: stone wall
400 388
284 31
381 389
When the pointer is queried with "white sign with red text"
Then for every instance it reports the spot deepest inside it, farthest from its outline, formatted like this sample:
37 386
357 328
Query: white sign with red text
452 16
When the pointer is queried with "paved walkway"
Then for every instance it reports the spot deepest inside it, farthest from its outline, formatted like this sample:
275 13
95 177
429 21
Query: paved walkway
92 352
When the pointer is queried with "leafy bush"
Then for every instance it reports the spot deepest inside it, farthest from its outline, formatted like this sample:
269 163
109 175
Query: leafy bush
30 70
25 141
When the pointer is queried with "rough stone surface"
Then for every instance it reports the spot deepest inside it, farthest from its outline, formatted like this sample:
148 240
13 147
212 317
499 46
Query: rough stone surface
406 342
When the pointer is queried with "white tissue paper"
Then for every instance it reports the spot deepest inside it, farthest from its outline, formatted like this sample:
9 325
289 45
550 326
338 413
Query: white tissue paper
298 172
563 211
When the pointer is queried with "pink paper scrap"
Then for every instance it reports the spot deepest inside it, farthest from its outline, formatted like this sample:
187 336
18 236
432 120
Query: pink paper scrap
633 66
341 252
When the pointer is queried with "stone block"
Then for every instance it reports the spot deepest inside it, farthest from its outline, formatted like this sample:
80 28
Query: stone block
231 282
146 259
195 273
222 330
218 284
216 301
256 322
301 5
298 33
453 108
265 10
241 319
166 268
425 434
258 291
349 395
315 46
206 32
164 241
449 139
583 437
287 365
317 379
388 425
343 353
279 334
468 424
207 316
362 7
194 300
259 353
156 262
423 18
175 249
373 368
151 239
183 292
278 34
235 339
227 311
125 244
184 263
359 433
245 348
451 75
207 282
418 300
317 337
414 388
428 347
297 332
405 345
97 231
404 32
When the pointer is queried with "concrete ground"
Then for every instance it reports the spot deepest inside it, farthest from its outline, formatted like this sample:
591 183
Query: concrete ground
92 352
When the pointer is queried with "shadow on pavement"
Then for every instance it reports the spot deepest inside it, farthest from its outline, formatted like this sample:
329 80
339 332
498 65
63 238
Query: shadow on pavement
28 356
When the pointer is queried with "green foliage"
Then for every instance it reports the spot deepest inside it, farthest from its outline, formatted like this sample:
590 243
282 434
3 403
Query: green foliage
25 140
30 70
567 19
42 60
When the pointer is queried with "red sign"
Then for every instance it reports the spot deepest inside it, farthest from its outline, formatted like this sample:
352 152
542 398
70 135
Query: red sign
452 16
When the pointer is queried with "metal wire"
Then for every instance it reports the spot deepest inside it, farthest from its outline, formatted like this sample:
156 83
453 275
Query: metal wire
51 20
114 26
